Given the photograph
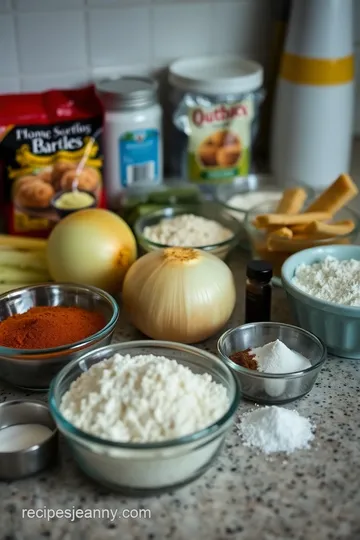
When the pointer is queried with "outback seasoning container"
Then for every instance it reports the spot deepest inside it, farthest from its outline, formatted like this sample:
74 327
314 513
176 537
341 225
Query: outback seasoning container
258 291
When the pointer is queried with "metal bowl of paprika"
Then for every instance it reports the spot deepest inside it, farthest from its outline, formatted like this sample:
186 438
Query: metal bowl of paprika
45 326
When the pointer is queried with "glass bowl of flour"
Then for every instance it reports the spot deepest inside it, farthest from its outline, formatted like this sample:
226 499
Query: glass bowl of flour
286 360
145 416
205 226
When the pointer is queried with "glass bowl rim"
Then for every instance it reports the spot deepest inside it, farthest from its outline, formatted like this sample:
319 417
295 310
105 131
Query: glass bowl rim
179 210
274 190
212 429
16 354
261 374
317 242
270 186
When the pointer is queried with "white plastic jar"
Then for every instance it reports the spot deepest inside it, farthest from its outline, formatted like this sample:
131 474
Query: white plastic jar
133 153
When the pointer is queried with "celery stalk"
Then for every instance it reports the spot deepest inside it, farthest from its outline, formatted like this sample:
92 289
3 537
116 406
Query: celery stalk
20 242
35 260
21 275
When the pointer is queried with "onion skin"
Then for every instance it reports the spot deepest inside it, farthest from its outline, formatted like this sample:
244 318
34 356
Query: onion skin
185 300
91 247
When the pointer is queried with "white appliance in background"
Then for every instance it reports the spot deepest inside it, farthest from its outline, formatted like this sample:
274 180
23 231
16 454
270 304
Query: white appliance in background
314 104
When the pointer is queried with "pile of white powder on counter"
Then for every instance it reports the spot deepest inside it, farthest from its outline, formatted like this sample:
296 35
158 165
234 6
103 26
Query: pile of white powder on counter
187 230
276 357
274 429
331 280
143 399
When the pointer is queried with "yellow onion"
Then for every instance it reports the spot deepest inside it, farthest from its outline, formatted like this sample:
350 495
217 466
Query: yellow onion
91 247
179 294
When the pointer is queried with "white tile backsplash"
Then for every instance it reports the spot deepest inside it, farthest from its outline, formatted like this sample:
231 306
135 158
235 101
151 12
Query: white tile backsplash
47 5
247 33
45 82
119 36
63 43
52 42
9 85
5 5
8 56
182 29
113 3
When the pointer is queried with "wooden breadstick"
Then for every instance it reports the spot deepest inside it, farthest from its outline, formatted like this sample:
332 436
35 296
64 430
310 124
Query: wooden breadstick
263 221
336 196
283 232
327 230
292 201
298 243
298 229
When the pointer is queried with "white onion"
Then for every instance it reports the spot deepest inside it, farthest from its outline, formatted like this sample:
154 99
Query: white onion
179 294
91 247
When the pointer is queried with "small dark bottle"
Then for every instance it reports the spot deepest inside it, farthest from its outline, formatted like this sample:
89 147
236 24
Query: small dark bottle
258 291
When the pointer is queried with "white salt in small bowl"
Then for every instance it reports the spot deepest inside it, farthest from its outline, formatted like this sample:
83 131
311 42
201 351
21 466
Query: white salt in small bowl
273 388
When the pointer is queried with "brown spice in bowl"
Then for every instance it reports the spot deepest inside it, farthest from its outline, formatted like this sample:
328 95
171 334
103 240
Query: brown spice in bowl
245 359
46 327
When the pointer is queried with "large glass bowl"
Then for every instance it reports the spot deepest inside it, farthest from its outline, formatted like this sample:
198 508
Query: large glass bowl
142 469
207 210
286 248
34 368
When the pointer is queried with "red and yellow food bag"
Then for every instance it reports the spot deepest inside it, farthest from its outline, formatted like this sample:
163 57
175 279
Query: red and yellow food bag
43 138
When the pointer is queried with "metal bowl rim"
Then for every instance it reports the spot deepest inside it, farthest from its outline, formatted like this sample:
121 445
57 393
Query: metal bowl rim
35 447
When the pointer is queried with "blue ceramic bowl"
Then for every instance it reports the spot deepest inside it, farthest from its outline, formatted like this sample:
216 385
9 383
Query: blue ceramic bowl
338 326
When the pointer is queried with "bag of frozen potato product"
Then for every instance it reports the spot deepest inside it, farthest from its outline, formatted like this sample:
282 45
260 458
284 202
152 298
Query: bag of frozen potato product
50 146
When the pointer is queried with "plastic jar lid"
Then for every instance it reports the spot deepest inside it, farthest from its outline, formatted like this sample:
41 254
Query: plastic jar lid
214 75
127 92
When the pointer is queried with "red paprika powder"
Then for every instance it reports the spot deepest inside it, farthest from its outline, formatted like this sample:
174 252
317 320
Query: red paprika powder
46 327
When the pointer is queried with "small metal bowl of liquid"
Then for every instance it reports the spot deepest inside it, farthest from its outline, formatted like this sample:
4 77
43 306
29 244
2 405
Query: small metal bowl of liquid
28 439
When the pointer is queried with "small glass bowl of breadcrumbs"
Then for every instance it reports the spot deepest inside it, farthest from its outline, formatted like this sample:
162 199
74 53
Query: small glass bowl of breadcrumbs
204 226
270 245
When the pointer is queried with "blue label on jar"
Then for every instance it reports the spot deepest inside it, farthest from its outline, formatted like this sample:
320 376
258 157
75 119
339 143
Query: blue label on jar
139 156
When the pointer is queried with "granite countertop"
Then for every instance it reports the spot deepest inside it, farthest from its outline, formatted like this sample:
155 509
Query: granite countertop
310 495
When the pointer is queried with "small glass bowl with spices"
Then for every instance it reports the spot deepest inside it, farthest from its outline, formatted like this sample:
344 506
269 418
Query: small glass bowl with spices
43 327
204 226
275 363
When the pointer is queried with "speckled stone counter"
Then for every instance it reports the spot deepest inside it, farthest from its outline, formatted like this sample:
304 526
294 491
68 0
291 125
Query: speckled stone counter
311 495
